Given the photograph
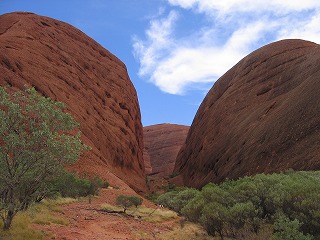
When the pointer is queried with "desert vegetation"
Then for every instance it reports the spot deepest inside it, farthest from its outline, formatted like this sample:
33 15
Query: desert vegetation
277 206
43 213
142 212
36 143
127 201
70 185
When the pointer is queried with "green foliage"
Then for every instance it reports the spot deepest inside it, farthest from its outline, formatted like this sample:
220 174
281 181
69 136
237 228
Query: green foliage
284 228
167 199
128 201
36 142
247 204
176 200
137 201
169 187
69 185
152 196
105 184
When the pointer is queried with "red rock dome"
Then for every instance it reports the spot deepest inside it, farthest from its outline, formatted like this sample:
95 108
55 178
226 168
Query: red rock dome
263 115
64 64
162 143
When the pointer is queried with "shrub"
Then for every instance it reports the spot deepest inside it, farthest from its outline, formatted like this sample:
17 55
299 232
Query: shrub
69 185
284 228
105 184
136 201
176 200
128 201
249 203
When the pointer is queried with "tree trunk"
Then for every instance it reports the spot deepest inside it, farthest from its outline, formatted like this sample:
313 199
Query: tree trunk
8 220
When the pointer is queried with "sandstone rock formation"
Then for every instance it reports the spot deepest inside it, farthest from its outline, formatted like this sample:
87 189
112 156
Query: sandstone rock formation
263 115
162 143
63 63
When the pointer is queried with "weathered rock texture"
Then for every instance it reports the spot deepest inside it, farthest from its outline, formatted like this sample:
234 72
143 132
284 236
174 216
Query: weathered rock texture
162 143
263 115
63 63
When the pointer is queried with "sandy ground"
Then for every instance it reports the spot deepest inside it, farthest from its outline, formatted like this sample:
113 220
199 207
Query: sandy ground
87 223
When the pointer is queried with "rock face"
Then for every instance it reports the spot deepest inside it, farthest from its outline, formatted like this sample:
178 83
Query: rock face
64 64
263 115
162 143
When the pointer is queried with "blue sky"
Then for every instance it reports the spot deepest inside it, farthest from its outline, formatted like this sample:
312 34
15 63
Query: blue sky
176 49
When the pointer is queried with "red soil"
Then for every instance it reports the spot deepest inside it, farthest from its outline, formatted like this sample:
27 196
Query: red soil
87 223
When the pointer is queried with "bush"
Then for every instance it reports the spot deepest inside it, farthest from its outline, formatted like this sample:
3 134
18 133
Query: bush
169 187
105 184
69 185
176 200
284 228
128 201
249 203
136 201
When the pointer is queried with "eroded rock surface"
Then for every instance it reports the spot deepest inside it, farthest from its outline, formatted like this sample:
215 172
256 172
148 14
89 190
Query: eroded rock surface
63 63
162 143
263 115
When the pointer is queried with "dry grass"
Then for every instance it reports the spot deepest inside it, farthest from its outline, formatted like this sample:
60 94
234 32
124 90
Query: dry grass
155 215
21 229
40 213
141 235
144 213
189 232
58 201
193 231
109 207
43 213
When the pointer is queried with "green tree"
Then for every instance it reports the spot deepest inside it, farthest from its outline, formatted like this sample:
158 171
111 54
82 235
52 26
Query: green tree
176 200
69 185
37 139
128 201
284 228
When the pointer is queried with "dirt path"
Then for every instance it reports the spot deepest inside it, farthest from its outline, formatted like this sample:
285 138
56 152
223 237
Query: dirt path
88 223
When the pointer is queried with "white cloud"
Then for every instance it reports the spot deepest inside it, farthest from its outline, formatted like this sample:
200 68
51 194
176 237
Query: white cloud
202 64
308 29
158 43
176 64
231 6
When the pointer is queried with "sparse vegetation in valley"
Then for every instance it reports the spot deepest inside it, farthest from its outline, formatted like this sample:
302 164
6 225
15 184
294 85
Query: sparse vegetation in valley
273 206
144 213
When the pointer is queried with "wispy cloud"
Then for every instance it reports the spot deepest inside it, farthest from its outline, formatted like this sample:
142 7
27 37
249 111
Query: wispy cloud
227 7
233 28
158 43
